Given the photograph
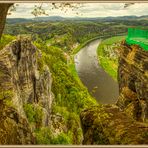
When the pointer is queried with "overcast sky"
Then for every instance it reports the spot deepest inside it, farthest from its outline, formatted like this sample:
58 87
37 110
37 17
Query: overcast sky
85 10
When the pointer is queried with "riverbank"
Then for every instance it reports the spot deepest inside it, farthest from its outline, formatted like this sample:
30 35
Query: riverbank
100 85
71 64
108 55
76 50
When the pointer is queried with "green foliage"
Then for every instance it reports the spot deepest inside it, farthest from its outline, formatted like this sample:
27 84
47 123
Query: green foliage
30 113
61 139
68 91
33 113
72 121
107 48
62 110
71 97
45 136
5 40
76 32
6 94
38 114
114 39
40 63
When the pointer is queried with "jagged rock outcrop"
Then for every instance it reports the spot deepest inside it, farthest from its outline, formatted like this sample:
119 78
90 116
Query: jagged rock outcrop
125 122
133 81
14 129
108 125
23 86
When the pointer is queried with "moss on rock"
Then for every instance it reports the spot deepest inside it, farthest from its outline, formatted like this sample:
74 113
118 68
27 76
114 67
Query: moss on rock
109 125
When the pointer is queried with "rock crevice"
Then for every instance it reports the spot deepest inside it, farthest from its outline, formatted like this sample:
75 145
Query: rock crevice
22 86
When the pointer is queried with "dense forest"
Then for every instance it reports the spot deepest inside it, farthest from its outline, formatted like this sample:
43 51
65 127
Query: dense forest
55 33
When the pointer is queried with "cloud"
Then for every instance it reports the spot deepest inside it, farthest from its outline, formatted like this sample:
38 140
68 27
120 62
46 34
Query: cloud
23 10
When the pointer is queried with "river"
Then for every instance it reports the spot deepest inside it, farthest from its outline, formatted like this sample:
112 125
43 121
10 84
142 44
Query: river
98 82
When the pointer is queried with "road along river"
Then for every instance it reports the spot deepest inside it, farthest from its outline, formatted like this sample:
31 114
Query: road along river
98 82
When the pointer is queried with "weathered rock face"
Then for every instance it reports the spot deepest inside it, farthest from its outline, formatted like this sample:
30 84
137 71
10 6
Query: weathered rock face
14 129
125 122
108 125
133 81
21 83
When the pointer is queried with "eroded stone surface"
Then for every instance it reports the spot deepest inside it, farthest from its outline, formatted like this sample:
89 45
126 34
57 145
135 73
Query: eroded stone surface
22 83
108 125
133 81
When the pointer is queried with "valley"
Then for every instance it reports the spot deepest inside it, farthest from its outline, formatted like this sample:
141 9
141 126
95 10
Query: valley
63 79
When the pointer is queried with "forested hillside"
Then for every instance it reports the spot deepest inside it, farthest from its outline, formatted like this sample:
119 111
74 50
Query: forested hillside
65 34
68 34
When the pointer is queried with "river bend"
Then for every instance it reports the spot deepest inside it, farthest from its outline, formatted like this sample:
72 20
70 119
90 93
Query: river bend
98 82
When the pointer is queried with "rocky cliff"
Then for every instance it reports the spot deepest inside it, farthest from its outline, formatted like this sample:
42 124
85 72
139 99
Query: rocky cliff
25 92
133 82
127 121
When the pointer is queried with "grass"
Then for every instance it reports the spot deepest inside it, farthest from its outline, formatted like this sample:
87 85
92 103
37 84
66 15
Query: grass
5 40
108 63
114 39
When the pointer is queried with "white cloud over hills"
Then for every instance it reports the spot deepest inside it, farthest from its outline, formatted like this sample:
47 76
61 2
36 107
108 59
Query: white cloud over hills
23 10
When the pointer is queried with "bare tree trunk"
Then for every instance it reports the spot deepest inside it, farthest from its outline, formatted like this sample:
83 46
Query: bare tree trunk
3 14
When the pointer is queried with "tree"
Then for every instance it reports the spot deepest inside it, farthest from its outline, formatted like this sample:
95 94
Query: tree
4 7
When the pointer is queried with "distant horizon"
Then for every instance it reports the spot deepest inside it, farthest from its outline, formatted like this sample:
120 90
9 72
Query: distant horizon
76 17
87 10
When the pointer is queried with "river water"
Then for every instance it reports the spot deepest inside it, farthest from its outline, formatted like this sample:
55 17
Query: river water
98 82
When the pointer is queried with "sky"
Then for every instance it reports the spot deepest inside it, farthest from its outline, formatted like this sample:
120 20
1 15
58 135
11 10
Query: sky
23 10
